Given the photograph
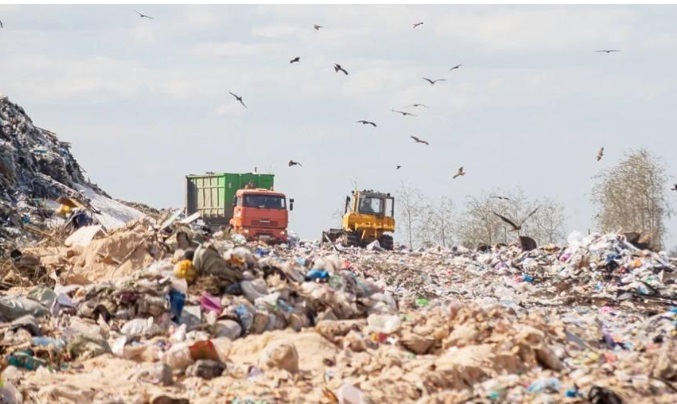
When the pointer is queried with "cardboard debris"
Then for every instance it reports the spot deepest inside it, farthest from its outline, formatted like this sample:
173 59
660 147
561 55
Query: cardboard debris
84 235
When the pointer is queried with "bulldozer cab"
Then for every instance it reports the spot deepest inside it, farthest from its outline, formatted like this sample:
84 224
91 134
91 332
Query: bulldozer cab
368 216
370 203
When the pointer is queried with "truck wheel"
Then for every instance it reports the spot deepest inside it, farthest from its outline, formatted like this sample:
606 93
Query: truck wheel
386 242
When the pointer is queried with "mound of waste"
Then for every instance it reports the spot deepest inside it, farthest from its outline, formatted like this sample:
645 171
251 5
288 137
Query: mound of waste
168 313
36 170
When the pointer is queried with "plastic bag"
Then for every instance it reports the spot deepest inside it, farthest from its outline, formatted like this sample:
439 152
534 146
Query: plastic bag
384 324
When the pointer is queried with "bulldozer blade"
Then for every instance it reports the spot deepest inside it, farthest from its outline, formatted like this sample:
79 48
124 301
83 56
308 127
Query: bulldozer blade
326 237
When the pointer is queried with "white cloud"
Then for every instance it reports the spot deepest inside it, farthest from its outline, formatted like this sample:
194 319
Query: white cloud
237 49
274 31
50 79
489 28
230 108
534 29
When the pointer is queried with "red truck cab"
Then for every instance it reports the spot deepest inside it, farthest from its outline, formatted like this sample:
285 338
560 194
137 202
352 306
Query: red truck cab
261 214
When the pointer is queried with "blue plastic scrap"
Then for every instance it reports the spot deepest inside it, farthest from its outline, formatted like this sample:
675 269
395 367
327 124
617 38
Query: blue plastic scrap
316 274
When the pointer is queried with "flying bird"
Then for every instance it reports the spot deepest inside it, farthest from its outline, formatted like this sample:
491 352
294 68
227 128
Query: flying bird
607 51
418 24
500 197
398 167
143 15
417 140
317 27
432 82
417 105
674 188
294 163
237 97
363 122
600 154
295 60
1 26
404 113
337 68
459 173
512 224
455 67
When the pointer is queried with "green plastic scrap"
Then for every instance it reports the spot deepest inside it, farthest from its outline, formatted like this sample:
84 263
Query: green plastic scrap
422 302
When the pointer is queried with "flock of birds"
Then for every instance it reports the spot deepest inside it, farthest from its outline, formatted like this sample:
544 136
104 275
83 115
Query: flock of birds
417 140
338 68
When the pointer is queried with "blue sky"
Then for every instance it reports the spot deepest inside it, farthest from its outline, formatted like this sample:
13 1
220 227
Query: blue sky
146 102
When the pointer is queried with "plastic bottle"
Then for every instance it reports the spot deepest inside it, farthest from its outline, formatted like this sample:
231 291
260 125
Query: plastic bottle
25 361
48 342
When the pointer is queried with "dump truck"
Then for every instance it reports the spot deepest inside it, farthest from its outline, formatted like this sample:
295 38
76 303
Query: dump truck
245 204
368 216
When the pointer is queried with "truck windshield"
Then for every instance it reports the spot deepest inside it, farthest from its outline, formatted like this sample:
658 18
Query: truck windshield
264 202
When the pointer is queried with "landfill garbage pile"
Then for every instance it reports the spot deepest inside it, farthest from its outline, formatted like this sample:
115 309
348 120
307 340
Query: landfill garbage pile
36 169
170 314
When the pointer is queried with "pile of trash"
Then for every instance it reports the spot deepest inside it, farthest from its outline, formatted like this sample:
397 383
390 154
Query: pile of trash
169 313
42 186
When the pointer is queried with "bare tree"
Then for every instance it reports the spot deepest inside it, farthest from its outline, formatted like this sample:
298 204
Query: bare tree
549 222
438 224
480 225
409 206
632 197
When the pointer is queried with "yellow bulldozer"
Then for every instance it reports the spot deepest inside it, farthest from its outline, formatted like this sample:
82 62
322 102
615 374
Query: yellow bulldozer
368 216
